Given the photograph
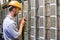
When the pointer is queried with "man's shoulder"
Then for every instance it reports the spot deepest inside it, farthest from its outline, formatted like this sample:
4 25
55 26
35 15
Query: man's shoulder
8 21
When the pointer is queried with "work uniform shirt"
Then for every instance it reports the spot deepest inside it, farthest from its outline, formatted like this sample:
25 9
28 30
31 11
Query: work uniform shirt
10 31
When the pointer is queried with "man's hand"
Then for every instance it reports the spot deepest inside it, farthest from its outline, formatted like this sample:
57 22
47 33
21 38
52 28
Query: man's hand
23 20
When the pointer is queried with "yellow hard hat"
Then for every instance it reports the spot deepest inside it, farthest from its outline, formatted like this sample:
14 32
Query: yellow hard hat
16 4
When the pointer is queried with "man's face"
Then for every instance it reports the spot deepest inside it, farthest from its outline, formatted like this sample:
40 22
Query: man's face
16 12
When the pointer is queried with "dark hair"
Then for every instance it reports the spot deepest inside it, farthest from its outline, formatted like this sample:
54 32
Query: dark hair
11 7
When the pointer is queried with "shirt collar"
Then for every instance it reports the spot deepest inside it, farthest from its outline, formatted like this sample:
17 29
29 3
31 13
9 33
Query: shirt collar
13 18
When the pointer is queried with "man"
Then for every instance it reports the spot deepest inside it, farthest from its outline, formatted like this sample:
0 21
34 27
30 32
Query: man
10 30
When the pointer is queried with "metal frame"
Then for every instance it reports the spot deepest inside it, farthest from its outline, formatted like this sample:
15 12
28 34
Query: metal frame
54 28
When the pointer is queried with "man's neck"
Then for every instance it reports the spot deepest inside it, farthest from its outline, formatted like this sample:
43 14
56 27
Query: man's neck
11 14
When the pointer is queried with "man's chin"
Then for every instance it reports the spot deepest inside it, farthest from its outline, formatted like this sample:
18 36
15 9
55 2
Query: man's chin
15 15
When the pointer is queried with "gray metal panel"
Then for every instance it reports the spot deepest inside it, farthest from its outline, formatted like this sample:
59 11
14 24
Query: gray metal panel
48 22
41 2
53 21
40 11
47 34
41 14
32 11
41 32
41 22
52 1
33 20
32 38
52 34
32 31
32 3
52 8
25 14
47 9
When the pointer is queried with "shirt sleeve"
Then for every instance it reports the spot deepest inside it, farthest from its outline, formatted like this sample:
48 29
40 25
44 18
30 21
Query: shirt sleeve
12 30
